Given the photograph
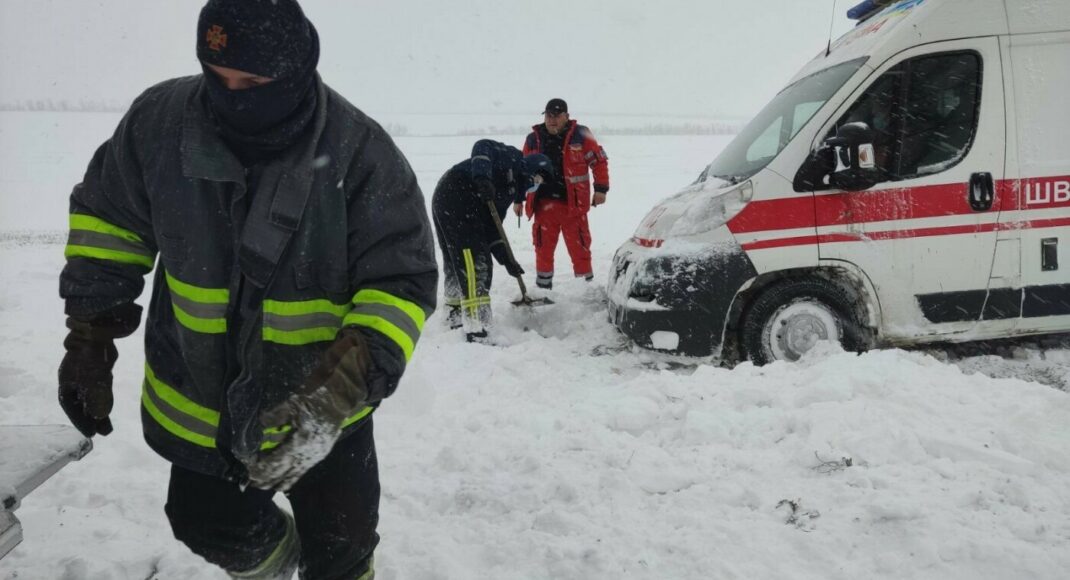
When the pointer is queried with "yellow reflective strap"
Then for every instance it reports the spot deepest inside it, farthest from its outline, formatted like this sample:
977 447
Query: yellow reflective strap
203 325
470 274
172 427
386 328
299 337
197 293
300 307
372 296
360 415
90 223
113 255
180 402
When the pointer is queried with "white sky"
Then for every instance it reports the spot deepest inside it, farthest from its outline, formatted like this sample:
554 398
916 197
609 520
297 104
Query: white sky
670 57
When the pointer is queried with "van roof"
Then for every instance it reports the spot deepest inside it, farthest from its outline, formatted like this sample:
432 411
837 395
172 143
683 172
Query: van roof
902 24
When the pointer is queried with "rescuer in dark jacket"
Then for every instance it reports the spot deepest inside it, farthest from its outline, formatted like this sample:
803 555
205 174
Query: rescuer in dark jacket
294 271
467 234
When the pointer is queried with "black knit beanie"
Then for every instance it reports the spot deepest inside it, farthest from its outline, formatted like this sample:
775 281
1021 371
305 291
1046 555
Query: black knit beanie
270 38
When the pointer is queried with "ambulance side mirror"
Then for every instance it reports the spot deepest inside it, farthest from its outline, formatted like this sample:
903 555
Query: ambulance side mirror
856 160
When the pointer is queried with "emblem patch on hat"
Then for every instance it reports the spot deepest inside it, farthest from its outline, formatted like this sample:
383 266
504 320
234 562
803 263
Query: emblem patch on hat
216 38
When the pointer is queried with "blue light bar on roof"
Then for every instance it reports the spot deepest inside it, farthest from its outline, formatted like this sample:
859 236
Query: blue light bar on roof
867 8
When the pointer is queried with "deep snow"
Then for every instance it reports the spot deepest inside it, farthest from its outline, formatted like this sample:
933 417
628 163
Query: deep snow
561 452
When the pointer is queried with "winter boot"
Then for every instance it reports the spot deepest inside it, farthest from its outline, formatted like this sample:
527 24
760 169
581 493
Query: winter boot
544 280
282 563
479 337
453 317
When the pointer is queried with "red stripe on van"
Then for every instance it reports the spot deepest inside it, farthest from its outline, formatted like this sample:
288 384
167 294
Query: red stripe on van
901 234
890 204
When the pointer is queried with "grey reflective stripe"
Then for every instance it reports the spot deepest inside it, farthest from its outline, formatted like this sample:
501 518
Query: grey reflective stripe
184 420
302 321
544 274
393 315
483 157
199 309
107 242
579 178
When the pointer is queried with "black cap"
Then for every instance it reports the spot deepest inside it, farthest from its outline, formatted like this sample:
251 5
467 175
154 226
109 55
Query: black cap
556 106
270 38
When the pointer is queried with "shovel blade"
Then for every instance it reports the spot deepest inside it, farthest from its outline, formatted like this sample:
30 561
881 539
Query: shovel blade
529 301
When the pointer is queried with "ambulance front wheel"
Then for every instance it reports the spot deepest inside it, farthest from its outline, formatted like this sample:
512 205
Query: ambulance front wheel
789 318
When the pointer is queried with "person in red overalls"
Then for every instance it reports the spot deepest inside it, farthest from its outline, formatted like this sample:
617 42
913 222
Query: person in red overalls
560 206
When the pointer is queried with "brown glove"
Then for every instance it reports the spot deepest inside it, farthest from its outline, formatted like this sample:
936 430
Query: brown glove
85 379
313 415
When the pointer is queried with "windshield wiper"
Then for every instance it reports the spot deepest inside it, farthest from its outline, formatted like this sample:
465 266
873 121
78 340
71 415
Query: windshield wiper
732 179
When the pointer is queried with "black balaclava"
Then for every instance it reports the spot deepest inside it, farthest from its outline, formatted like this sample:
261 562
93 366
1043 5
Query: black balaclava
270 38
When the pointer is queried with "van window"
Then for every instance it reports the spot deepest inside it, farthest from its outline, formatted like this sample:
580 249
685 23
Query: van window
778 123
923 114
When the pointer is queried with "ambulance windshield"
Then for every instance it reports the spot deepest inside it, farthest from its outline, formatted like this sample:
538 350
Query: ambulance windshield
778 123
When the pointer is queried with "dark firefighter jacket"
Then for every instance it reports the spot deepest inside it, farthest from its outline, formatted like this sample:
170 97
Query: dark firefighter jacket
504 166
582 155
250 286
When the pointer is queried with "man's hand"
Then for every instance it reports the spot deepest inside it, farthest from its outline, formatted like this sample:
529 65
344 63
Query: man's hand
598 199
312 417
518 208
514 269
85 379
85 383
485 189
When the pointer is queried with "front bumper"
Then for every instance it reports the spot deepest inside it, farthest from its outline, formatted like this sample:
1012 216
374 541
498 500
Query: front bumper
676 303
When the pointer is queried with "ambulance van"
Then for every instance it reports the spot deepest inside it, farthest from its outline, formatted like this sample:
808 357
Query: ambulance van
911 184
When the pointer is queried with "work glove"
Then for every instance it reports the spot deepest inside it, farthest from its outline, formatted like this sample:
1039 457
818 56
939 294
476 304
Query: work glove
485 189
514 269
85 378
497 250
313 415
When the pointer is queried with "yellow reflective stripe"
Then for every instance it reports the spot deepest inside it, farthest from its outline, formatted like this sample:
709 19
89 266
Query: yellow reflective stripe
470 274
360 415
272 431
90 223
202 325
196 293
305 307
369 574
385 327
299 337
272 437
102 254
180 402
296 323
172 427
371 296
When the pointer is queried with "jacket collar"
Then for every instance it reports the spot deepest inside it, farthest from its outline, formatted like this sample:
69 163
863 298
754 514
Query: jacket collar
206 156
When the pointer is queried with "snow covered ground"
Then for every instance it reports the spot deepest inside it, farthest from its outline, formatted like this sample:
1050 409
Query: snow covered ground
560 452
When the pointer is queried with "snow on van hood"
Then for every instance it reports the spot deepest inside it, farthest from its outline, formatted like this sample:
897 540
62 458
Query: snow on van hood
686 213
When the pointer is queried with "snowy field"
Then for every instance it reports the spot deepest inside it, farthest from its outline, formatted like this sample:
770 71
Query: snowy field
560 452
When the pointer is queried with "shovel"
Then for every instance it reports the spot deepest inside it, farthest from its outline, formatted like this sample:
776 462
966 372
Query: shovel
525 300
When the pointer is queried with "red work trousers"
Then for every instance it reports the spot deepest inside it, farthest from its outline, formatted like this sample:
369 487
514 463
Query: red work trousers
554 218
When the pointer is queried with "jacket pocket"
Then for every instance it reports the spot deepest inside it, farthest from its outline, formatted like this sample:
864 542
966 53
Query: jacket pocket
332 281
173 249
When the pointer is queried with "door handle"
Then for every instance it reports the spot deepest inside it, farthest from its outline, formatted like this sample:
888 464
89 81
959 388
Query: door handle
982 191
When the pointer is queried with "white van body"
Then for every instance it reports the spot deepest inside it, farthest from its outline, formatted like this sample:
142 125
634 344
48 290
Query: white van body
968 97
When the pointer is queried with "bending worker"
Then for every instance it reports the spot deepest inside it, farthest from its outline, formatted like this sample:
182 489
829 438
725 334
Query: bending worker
467 234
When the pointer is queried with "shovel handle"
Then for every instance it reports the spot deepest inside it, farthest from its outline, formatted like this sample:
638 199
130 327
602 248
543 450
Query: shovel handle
508 249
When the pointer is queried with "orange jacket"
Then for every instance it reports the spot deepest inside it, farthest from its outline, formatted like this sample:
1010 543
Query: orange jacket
581 152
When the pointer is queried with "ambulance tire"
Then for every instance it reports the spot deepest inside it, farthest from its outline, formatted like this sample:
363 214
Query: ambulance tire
787 319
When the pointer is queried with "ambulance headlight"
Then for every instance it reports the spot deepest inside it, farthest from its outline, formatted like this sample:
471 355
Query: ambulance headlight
709 212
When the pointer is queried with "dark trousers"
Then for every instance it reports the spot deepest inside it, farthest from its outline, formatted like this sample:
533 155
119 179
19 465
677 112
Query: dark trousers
335 506
461 227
